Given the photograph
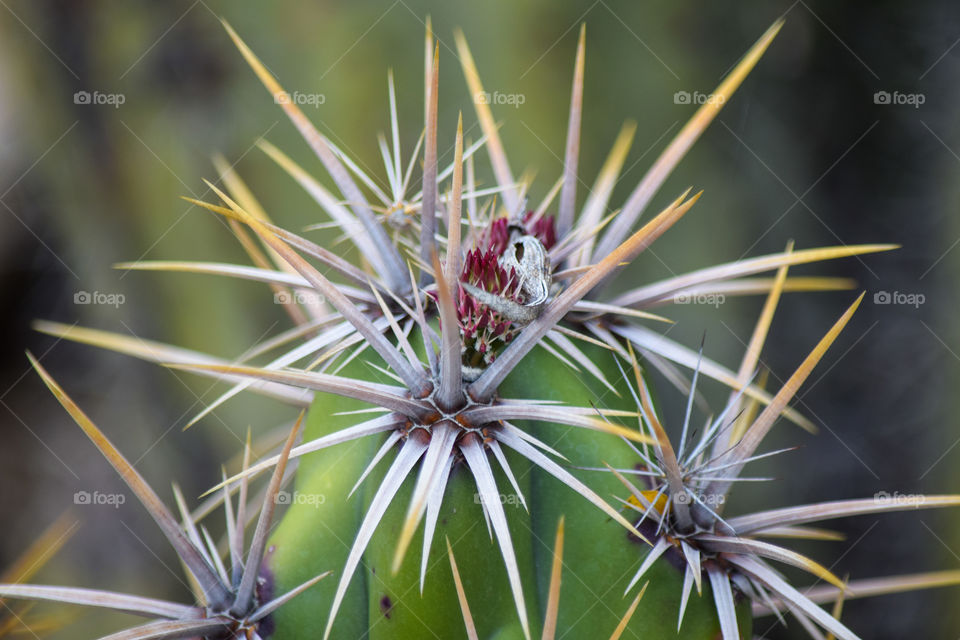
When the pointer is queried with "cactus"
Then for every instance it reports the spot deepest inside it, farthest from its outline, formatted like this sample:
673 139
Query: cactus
480 420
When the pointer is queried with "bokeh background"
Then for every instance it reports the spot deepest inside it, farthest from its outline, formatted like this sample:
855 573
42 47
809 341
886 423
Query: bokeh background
804 151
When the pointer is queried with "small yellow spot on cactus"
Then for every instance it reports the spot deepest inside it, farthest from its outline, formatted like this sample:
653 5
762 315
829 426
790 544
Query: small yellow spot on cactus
659 503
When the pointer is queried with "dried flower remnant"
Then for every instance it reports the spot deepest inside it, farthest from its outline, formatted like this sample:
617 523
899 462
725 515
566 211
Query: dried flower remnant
504 282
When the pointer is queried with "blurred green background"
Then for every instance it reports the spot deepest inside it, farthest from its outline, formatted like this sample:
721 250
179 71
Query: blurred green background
803 152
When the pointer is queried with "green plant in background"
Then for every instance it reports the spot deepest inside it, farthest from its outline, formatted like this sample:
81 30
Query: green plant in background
466 378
